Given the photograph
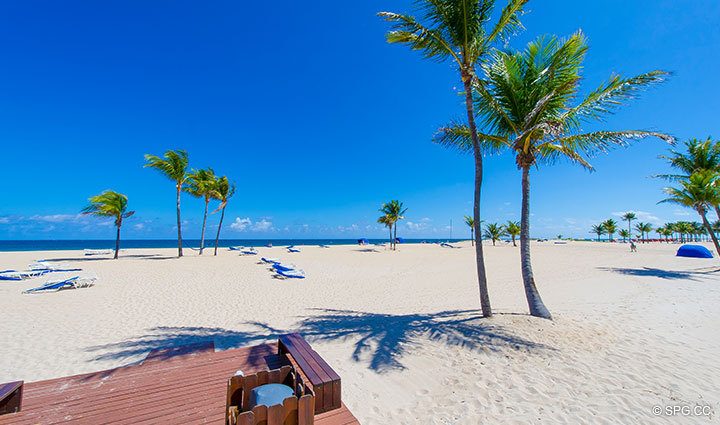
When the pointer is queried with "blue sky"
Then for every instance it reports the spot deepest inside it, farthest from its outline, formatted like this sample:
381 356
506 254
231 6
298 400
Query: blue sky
314 116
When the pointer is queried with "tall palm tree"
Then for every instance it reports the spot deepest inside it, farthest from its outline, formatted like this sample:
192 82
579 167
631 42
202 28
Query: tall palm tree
494 232
110 204
512 228
525 103
610 226
599 230
202 184
629 217
459 31
625 234
173 165
224 190
470 221
701 155
395 211
699 192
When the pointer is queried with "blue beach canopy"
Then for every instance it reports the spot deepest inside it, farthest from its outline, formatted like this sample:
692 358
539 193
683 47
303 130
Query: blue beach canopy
399 240
696 251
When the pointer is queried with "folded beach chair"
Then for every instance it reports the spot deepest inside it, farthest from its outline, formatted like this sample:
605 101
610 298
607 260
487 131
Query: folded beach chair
58 285
291 274
15 275
269 260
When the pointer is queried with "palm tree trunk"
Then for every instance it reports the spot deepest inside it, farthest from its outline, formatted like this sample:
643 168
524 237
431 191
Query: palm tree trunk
117 242
217 237
479 257
513 239
202 233
472 236
390 237
703 214
179 226
395 238
717 211
535 303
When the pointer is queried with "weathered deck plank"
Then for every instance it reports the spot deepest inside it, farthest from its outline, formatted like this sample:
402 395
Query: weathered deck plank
183 387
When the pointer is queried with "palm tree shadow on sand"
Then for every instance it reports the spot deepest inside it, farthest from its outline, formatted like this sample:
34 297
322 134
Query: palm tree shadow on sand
386 338
693 275
381 339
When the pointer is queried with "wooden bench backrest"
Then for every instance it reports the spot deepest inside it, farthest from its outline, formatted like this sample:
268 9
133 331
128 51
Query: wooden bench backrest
324 380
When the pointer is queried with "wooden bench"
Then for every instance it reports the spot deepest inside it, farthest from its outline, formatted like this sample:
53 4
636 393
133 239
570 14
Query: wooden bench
324 381
11 397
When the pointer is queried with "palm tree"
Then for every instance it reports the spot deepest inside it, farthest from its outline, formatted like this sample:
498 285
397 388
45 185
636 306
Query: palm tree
699 192
701 155
524 103
599 230
394 211
494 232
610 226
456 30
644 229
202 184
471 223
110 204
512 228
625 234
224 190
387 221
173 165
629 217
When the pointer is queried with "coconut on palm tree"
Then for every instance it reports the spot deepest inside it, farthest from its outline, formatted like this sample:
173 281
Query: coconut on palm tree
512 229
699 192
494 232
202 184
224 190
524 102
458 31
599 230
173 165
610 226
470 221
110 204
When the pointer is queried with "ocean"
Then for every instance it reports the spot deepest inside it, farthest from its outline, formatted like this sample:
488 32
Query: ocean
60 245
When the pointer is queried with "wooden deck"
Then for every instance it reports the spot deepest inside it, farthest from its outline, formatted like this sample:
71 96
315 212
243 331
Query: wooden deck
181 386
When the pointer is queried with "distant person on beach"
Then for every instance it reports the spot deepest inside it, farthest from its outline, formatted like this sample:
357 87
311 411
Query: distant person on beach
633 247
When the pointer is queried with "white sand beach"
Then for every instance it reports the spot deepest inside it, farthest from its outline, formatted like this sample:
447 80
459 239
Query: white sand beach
630 331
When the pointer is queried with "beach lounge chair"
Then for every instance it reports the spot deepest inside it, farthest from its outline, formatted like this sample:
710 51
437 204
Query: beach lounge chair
235 248
291 274
292 249
250 251
52 267
447 245
58 285
268 260
15 275
283 267
97 251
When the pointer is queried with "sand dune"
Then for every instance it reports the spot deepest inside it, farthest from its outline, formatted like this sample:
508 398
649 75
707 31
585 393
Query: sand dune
631 331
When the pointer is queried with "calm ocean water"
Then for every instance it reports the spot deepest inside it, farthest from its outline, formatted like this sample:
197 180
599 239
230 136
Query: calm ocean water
59 245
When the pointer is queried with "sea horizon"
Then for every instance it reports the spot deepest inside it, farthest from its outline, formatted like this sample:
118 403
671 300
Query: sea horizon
76 244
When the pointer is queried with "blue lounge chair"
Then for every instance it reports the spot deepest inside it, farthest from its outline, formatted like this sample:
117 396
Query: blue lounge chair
57 285
291 274
269 260
14 275
293 249
282 267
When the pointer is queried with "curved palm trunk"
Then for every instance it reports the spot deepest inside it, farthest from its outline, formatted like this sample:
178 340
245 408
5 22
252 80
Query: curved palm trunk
513 239
202 233
472 236
535 303
217 236
706 223
117 242
479 257
179 226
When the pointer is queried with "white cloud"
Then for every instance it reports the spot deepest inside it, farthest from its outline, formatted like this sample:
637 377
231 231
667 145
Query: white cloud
56 218
139 226
4 220
262 225
681 213
240 224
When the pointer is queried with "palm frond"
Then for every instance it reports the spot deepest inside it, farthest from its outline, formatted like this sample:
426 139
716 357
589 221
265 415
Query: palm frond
457 136
406 30
509 22
590 144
